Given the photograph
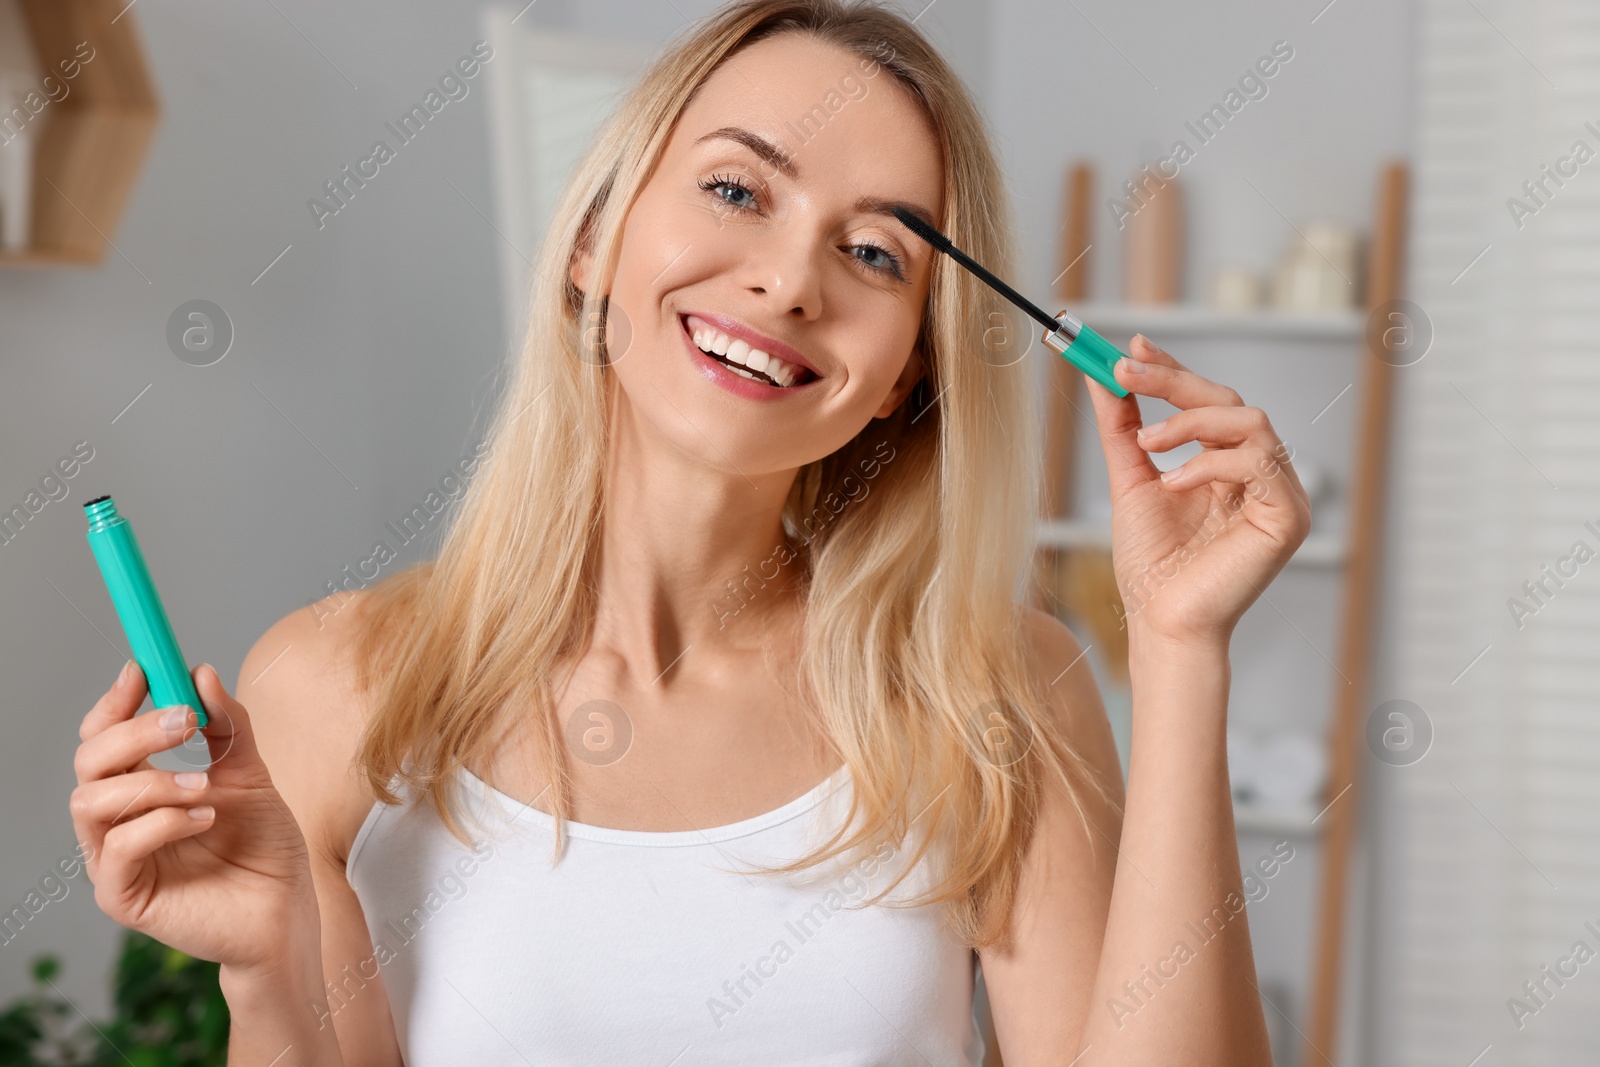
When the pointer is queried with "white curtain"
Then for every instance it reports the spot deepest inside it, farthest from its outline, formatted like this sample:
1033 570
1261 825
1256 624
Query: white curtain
1491 842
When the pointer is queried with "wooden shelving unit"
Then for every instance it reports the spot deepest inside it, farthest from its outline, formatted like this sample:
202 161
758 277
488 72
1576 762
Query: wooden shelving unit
1074 570
1197 320
1319 550
93 140
1297 820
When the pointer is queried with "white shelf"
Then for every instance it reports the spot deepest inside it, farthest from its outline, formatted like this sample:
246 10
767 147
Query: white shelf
1198 320
1294 820
1318 550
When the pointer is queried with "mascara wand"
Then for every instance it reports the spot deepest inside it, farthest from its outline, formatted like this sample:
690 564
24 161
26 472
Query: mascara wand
1066 334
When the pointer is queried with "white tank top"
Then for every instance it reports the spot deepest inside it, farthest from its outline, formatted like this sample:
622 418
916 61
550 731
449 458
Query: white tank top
636 949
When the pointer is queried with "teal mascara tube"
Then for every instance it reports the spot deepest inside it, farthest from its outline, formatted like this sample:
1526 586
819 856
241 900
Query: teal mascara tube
144 620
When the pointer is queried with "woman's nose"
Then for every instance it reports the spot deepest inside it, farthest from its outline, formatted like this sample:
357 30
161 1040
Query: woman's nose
787 272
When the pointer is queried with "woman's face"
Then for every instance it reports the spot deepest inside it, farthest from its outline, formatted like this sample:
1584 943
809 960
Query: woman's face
765 231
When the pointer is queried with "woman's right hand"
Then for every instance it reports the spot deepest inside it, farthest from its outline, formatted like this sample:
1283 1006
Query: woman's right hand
233 885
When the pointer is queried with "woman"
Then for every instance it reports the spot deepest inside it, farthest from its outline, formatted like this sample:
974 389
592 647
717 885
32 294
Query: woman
728 619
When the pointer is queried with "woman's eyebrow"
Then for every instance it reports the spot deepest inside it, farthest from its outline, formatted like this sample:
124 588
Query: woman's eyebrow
762 147
874 206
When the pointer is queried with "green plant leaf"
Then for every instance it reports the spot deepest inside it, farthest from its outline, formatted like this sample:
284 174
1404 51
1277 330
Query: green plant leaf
169 1012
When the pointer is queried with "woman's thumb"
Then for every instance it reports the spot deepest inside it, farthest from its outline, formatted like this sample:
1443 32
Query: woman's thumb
1118 421
227 732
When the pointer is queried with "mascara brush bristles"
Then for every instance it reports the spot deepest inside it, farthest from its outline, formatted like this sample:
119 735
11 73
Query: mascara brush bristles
943 244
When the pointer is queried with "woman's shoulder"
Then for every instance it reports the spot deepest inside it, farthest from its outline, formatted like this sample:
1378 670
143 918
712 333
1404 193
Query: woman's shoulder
1059 664
1049 645
301 685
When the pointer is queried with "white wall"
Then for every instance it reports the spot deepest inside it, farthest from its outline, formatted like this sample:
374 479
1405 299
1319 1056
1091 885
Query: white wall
962 28
1070 81
374 336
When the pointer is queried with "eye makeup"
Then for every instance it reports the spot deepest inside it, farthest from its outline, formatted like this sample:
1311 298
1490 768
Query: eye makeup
894 266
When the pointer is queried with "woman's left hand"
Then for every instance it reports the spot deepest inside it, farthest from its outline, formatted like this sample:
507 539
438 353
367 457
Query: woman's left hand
1193 548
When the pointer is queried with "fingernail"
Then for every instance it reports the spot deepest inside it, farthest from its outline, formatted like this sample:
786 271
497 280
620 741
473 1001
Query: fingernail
127 669
201 813
175 719
190 779
1132 365
1172 475
1153 429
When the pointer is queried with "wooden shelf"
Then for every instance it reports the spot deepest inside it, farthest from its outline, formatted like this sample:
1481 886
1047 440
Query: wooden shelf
91 143
1293 820
1084 585
1197 320
1318 550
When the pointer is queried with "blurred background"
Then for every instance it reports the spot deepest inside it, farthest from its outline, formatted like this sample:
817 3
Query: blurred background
1376 218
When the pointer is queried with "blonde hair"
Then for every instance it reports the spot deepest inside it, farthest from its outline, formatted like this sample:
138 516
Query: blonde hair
913 647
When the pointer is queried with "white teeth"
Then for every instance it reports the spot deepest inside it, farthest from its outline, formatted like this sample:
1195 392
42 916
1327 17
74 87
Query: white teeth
738 351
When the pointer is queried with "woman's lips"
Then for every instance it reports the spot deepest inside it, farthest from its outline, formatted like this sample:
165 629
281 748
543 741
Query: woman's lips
723 375
697 321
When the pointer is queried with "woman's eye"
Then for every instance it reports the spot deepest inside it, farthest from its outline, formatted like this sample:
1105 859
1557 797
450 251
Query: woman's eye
879 259
730 192
737 195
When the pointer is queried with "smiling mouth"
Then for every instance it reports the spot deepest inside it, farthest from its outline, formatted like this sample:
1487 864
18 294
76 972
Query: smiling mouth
738 356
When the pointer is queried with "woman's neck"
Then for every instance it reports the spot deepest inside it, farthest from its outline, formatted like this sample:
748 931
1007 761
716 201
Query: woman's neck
691 558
